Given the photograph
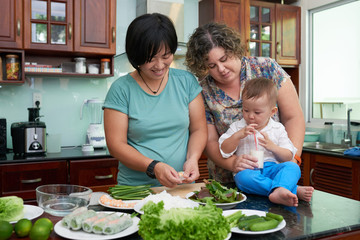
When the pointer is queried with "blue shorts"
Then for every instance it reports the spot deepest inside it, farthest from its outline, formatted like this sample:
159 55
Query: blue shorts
274 175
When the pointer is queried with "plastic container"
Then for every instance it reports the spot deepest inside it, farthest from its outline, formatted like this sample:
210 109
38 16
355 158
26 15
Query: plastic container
12 67
80 66
338 133
93 68
105 66
312 137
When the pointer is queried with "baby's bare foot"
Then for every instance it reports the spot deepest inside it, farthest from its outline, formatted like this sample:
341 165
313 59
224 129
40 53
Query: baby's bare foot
305 193
283 196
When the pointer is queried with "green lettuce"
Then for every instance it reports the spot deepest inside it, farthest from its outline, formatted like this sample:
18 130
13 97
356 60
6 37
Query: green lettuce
11 208
203 222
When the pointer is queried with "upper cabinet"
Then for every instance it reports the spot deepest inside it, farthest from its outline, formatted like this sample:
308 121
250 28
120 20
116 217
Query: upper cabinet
82 26
267 29
95 26
288 22
275 32
11 24
52 33
234 13
48 25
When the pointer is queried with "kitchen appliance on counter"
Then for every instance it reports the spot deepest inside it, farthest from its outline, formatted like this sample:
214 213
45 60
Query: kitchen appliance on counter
29 138
2 137
95 134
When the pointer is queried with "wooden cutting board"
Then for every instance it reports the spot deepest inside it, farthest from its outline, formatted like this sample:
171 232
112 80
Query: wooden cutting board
180 190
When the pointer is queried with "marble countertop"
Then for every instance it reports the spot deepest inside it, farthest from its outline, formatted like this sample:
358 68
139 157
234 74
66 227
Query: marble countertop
67 153
326 215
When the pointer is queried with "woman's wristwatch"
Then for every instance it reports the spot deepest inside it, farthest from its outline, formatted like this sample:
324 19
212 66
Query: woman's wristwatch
150 169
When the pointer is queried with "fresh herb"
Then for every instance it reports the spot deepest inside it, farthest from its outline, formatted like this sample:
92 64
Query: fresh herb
125 192
216 193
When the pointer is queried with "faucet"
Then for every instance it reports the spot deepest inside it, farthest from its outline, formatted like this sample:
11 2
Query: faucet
348 139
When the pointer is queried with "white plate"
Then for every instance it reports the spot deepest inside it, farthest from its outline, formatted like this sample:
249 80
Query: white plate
31 212
119 208
223 206
81 235
249 212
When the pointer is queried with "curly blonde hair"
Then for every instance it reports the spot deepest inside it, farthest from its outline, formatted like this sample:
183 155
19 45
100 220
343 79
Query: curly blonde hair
206 38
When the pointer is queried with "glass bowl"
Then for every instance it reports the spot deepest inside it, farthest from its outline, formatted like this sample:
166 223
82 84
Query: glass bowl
62 199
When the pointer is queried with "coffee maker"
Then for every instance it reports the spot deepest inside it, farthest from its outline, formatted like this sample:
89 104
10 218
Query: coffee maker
29 138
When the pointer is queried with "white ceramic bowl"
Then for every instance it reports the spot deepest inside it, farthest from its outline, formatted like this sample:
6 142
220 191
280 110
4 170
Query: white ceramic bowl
62 199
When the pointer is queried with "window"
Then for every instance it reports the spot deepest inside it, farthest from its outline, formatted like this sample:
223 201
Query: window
335 61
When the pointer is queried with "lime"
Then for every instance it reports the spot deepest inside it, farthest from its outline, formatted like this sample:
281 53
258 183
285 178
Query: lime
23 227
6 230
39 232
45 222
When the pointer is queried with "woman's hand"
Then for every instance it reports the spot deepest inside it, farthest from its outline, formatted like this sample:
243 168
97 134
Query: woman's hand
243 162
191 171
167 175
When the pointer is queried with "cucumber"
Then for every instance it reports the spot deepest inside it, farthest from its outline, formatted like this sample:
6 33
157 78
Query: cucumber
248 217
263 226
275 216
245 224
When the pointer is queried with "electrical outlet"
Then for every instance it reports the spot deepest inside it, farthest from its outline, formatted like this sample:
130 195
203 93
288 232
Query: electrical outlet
37 97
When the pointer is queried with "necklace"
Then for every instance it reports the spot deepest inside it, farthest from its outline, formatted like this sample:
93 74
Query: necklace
154 92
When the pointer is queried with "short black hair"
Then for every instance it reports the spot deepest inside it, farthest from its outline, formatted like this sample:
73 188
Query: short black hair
145 36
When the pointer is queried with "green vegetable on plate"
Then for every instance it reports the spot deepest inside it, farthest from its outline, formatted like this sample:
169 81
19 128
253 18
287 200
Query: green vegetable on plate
11 208
203 222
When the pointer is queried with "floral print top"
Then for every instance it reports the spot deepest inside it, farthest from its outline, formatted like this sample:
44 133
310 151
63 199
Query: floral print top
222 110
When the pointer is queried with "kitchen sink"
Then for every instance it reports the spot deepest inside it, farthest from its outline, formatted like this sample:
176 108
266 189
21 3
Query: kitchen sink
325 146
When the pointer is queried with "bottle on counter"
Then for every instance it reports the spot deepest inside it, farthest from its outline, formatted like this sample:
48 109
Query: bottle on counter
12 67
328 132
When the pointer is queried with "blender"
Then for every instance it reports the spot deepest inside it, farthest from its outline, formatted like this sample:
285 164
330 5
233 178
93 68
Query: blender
95 134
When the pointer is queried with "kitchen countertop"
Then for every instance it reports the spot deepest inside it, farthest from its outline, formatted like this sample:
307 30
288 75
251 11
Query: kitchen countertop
66 153
326 215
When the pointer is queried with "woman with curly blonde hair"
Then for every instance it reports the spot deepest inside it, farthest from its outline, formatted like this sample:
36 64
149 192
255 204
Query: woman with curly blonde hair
216 56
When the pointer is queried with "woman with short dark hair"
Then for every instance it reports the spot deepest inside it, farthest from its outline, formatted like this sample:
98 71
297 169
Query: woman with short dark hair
154 117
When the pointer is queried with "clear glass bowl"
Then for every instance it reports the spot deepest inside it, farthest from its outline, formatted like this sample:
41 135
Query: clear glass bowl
62 199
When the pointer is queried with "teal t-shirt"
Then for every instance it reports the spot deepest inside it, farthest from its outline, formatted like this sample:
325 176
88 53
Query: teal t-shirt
158 125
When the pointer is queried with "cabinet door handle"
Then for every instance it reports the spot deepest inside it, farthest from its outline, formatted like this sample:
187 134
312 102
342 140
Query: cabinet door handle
311 173
18 27
113 34
104 177
31 180
70 31
278 48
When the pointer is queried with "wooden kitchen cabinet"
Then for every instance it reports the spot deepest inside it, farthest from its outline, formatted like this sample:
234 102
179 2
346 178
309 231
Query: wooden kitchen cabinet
95 26
288 23
98 174
81 26
48 25
332 174
21 179
275 32
234 13
11 24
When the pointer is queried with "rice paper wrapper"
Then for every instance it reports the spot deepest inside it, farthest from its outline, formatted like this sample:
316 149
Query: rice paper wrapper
67 219
87 224
117 225
98 226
